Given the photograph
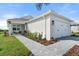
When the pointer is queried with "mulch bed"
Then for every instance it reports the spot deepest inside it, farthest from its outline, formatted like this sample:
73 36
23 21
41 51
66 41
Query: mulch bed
46 43
74 51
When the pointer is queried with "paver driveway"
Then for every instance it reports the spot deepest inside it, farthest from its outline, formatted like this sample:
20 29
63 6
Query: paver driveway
57 49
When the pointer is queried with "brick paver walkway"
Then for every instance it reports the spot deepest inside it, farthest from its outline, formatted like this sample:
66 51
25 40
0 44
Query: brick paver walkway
57 49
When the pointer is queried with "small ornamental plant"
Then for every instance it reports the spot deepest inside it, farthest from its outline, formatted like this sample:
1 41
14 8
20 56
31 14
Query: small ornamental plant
34 36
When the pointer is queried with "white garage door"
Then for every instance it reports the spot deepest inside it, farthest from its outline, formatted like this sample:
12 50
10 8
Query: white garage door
61 29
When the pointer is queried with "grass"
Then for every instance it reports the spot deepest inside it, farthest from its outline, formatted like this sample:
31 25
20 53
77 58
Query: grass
75 34
10 46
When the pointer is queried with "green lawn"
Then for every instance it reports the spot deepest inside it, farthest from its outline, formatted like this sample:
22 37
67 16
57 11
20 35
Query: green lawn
10 46
75 34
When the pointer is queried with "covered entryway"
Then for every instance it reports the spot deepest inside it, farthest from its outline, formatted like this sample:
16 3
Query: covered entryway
18 28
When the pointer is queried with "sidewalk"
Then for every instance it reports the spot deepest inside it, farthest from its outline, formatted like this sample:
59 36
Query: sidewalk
57 49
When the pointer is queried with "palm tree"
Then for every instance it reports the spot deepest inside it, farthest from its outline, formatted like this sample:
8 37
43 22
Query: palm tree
39 5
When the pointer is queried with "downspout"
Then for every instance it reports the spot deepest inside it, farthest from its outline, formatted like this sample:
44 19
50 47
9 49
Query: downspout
45 26
26 28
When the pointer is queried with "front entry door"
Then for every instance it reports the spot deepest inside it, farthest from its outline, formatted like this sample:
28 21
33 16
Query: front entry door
16 28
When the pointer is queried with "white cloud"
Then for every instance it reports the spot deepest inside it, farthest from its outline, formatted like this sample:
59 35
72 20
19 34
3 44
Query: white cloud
3 20
25 14
76 21
8 16
75 18
3 24
65 6
66 9
69 12
13 4
73 11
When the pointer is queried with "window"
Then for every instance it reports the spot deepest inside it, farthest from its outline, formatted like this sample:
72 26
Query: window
18 25
14 28
14 25
18 28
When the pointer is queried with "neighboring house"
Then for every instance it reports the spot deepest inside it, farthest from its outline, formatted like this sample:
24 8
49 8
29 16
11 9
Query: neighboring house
49 24
75 27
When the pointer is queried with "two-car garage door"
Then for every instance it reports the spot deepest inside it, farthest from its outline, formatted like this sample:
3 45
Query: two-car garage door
60 29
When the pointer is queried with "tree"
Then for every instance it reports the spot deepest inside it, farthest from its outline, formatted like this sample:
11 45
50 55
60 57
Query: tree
39 5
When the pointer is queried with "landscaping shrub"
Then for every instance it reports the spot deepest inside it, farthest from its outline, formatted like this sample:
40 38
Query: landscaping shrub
40 36
29 35
6 33
75 34
34 36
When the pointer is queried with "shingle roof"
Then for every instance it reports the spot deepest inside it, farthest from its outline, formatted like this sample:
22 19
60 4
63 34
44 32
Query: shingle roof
22 18
51 12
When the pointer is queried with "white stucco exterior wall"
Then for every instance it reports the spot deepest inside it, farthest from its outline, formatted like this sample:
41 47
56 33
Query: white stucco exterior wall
37 26
41 25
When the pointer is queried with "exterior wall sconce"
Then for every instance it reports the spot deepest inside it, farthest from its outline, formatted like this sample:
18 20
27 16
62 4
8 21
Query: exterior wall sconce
52 22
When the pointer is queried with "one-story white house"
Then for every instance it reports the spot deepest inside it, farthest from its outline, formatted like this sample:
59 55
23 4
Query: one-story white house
49 24
74 27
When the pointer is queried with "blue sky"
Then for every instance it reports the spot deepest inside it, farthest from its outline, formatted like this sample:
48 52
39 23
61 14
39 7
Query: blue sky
9 10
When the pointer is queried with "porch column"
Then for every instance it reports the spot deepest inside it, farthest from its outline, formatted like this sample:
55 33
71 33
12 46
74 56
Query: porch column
25 26
10 29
